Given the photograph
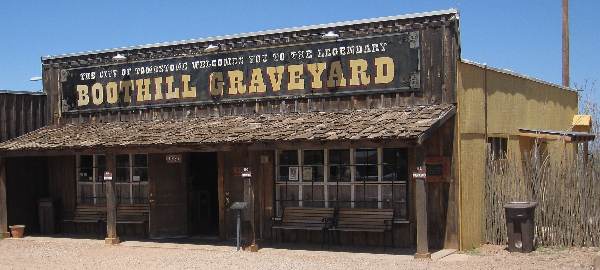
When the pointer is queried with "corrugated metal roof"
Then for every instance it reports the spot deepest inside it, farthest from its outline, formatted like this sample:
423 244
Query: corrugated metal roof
259 33
573 135
516 74
22 92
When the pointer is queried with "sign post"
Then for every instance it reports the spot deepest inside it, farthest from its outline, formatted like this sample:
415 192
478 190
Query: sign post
111 205
238 207
421 212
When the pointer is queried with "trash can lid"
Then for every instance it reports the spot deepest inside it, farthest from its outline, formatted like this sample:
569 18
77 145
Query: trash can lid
521 205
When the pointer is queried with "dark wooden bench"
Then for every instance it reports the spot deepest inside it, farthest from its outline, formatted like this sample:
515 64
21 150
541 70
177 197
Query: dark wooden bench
364 220
90 214
126 214
304 218
134 214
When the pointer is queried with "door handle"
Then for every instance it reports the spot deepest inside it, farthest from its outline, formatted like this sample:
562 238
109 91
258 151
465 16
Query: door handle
151 201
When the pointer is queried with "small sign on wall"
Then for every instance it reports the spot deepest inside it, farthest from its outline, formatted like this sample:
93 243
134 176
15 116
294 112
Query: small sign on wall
307 174
246 173
108 176
293 173
438 169
173 158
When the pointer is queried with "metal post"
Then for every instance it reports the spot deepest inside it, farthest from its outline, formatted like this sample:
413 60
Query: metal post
239 229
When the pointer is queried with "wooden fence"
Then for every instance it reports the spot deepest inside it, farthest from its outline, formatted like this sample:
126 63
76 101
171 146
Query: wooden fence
567 192
21 112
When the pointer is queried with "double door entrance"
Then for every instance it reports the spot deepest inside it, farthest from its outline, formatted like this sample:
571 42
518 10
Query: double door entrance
183 195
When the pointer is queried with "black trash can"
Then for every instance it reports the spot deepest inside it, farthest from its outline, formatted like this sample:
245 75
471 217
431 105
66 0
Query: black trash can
520 226
46 216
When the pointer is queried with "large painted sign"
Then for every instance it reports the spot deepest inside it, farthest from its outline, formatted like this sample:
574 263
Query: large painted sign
377 63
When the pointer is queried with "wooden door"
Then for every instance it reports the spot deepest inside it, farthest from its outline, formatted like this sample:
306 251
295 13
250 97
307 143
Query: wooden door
168 198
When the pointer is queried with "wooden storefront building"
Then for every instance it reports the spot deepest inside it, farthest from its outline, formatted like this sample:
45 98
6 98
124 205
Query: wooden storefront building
329 116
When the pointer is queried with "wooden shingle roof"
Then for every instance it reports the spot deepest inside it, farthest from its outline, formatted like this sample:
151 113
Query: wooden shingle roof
398 123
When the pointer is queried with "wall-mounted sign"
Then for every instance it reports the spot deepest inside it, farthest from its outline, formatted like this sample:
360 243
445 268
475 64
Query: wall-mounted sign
438 168
108 176
307 174
293 173
420 173
246 173
173 158
375 63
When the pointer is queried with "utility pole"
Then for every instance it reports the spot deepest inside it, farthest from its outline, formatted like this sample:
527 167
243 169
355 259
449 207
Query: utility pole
565 42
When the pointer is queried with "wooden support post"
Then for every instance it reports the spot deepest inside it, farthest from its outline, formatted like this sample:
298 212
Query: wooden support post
111 202
565 43
421 213
223 200
3 210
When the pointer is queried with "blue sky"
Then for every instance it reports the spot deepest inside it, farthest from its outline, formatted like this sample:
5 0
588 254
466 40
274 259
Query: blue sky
523 36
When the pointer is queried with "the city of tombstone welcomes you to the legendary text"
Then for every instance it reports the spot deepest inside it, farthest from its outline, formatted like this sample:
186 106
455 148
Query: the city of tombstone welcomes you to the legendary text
376 63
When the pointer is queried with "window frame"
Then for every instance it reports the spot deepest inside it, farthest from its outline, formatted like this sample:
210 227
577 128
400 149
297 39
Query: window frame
281 186
95 179
130 184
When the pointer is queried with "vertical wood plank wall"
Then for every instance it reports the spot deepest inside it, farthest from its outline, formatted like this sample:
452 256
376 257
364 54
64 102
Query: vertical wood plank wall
21 113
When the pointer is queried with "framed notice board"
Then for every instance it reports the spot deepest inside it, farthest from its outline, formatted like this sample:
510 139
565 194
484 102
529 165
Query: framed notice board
438 169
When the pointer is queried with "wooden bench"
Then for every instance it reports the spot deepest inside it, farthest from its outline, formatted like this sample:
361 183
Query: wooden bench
134 214
126 214
304 218
91 214
364 220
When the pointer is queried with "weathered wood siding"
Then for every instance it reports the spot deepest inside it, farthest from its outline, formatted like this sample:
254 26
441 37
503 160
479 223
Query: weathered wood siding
21 112
440 51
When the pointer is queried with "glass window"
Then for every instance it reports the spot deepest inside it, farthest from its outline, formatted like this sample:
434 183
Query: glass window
312 169
288 169
140 160
341 190
339 165
90 180
366 164
312 196
288 157
366 196
131 181
86 168
100 168
395 165
140 168
123 168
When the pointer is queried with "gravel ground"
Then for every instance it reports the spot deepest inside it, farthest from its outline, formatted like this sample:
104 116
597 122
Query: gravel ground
67 253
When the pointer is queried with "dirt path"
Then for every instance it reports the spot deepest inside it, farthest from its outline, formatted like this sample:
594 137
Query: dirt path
66 253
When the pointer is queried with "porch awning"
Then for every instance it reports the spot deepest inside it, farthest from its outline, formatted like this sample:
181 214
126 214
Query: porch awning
399 123
567 136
